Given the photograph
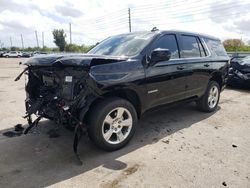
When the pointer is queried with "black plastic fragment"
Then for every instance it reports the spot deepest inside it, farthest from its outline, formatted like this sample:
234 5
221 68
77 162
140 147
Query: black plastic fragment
77 137
12 134
20 75
34 123
18 128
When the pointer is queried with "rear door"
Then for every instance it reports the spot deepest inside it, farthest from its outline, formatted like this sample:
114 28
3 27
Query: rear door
197 64
166 80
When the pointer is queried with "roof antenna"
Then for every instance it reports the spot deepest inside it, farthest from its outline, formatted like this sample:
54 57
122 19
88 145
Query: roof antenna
154 29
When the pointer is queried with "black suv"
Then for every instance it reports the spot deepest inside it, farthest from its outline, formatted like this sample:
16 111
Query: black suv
109 88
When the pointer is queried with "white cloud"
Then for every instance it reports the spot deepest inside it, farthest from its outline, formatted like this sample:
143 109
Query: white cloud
94 20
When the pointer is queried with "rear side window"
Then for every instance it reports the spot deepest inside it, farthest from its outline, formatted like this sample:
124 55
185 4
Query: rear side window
190 47
168 42
216 48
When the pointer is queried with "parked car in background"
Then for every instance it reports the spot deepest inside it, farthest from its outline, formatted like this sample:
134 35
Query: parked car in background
2 52
13 54
39 53
109 88
27 54
239 72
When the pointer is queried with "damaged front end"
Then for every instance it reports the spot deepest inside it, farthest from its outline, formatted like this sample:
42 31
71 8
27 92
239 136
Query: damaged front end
61 88
61 91
239 72
57 93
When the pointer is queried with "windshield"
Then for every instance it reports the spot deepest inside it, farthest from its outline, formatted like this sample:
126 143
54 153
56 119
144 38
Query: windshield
123 45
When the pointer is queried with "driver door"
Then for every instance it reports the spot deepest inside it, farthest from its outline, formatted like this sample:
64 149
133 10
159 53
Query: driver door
166 80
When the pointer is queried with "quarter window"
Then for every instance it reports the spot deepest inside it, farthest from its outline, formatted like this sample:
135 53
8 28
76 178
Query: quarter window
216 47
190 47
168 42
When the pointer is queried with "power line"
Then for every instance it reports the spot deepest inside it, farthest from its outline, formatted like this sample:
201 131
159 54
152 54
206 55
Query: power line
154 6
202 19
197 8
109 15
150 5
201 11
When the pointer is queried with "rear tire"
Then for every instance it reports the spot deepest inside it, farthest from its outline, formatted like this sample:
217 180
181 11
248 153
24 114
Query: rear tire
111 123
209 101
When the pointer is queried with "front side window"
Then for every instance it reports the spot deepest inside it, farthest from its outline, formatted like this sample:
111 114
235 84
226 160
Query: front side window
168 42
190 47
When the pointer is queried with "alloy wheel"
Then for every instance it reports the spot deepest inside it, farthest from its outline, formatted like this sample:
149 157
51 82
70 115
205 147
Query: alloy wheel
117 125
213 97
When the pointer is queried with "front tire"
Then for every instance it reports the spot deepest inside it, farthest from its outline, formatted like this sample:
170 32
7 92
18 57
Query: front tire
111 123
209 101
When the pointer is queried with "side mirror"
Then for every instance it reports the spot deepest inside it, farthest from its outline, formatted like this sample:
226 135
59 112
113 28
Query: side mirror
158 55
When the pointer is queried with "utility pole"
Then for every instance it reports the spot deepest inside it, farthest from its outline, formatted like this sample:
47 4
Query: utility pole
36 39
43 38
22 41
10 42
70 39
129 20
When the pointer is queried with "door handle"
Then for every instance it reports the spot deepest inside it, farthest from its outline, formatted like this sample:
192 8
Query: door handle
180 67
206 65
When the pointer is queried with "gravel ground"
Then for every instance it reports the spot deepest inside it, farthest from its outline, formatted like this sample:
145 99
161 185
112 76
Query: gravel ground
172 147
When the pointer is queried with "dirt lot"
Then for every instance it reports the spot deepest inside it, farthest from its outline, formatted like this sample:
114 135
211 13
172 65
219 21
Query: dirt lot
173 147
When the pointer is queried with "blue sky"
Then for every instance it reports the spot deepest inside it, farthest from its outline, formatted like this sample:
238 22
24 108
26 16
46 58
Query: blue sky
94 20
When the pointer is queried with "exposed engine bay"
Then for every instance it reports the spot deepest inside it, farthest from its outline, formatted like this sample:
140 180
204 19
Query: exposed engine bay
52 91
60 94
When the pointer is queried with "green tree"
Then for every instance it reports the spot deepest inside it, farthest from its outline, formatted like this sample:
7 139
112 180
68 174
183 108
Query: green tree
59 38
72 48
233 44
13 48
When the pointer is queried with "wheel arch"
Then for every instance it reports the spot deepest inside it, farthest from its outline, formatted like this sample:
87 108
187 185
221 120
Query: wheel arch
217 77
124 93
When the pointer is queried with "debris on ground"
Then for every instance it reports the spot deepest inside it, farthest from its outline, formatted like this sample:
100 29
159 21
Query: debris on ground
224 183
18 131
12 134
234 146
18 128
165 141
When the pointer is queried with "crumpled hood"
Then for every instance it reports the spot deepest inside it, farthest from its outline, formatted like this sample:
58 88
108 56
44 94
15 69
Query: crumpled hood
241 67
85 60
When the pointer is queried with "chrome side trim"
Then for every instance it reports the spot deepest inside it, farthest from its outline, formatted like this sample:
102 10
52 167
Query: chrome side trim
153 91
